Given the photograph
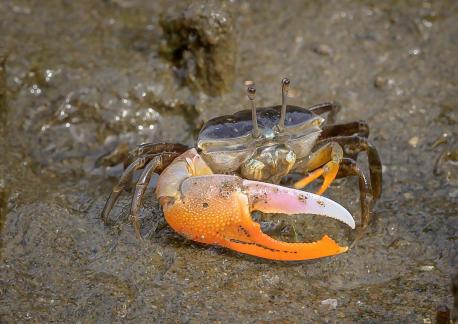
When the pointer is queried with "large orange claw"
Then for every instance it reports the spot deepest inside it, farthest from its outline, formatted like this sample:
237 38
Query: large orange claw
215 209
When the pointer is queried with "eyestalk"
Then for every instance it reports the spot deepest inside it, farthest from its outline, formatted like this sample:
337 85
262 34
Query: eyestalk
251 90
284 96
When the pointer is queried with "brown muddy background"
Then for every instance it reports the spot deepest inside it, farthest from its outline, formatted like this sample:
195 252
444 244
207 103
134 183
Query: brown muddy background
82 81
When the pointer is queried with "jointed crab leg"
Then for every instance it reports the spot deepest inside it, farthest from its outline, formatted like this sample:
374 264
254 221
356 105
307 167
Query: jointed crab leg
324 162
154 148
124 181
151 150
140 189
348 167
327 107
360 128
352 145
165 159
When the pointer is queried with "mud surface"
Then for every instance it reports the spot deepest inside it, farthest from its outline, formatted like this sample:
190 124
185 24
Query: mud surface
82 81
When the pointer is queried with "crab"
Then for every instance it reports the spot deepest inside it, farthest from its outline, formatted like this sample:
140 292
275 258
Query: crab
207 193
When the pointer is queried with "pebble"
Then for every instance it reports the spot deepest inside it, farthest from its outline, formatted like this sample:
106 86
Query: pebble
408 195
380 82
414 141
331 303
453 193
323 49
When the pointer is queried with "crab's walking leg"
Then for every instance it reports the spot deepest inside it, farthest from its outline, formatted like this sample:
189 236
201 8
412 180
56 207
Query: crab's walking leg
348 167
324 162
123 182
221 215
328 107
140 189
153 148
352 145
360 128
126 177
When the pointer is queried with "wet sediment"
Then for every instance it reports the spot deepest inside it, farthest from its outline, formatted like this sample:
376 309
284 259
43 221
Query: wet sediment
87 81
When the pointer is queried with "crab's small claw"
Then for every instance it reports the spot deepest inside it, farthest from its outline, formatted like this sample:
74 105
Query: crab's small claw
215 209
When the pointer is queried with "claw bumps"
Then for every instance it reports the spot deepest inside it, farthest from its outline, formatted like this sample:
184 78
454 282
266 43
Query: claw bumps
206 207
221 214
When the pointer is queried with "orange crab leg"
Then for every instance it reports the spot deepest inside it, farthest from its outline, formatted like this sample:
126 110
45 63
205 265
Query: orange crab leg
220 215
329 172
332 153
305 181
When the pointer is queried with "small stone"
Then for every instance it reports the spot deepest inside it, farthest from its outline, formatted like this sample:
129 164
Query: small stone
323 49
331 303
415 51
453 193
272 280
380 82
413 141
427 268
408 195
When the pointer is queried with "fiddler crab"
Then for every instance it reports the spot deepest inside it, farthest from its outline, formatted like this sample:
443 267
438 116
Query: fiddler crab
208 193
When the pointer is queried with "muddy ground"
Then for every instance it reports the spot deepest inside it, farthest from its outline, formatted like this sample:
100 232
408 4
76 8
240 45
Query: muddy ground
83 81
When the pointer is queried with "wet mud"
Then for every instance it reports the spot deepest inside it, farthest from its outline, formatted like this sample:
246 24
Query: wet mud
82 82
200 41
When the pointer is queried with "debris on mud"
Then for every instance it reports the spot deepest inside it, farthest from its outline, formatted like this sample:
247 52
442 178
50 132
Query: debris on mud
200 41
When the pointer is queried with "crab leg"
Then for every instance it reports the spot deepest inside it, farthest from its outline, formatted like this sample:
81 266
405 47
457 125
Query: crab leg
325 162
221 215
332 108
122 184
352 145
162 161
357 127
